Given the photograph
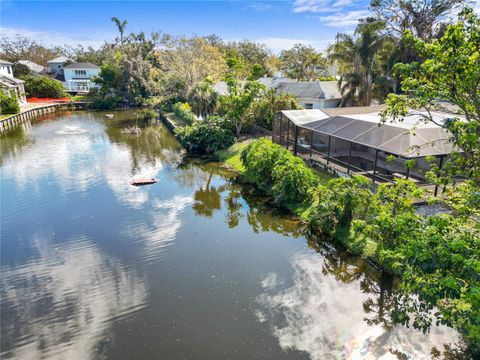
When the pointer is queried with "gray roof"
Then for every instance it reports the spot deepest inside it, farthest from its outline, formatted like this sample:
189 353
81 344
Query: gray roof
310 89
221 88
314 90
10 80
5 62
60 59
32 66
81 65
409 138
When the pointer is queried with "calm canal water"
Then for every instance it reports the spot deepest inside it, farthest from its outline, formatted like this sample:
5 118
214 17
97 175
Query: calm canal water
192 267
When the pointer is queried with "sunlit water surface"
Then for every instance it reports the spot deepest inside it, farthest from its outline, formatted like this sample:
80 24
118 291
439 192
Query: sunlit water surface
192 267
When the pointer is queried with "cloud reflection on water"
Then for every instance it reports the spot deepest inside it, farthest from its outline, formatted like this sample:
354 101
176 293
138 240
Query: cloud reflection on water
61 304
324 317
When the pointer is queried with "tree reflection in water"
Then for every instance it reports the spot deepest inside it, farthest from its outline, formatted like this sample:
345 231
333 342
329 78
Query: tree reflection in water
241 201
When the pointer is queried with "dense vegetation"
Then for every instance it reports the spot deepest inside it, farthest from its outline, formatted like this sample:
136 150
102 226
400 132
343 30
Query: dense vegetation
8 104
437 257
407 55
43 87
206 136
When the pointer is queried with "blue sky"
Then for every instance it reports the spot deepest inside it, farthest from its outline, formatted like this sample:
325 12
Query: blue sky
279 24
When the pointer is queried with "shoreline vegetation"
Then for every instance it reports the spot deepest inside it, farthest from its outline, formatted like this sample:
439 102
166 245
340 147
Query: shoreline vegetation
417 63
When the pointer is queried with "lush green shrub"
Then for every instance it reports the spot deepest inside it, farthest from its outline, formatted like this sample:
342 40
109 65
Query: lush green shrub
293 180
206 136
8 104
184 112
275 169
259 159
43 87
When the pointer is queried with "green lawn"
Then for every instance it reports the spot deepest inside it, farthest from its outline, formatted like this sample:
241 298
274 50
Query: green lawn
84 97
231 155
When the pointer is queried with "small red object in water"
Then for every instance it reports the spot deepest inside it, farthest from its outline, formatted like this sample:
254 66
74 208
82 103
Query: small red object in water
138 182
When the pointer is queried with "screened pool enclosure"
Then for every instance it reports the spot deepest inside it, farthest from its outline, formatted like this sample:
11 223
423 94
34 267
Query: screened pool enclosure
358 143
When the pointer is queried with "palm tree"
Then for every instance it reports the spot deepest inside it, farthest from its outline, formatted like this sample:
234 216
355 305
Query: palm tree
121 26
357 57
203 99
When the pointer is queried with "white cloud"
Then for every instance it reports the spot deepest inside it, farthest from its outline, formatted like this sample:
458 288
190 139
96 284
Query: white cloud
87 290
56 38
277 44
342 19
314 6
324 317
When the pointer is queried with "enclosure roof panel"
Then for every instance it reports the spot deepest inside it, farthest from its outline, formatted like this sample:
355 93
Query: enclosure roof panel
409 138
301 117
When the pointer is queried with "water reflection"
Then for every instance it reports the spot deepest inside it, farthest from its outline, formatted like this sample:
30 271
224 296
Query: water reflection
240 199
169 246
60 304
323 316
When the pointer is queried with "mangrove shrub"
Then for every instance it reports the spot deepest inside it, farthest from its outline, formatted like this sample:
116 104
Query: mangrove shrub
206 136
276 170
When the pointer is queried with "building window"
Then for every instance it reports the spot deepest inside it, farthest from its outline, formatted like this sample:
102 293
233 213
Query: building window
59 66
9 69
308 106
80 72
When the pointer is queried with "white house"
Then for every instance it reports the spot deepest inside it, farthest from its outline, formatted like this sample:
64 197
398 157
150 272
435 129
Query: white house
56 66
78 76
10 85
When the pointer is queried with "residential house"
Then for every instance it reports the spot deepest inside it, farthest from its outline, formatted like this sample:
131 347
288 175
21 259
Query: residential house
311 94
56 67
10 85
78 76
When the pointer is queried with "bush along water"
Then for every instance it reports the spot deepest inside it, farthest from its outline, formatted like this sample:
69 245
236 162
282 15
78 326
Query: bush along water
278 172
206 136
437 258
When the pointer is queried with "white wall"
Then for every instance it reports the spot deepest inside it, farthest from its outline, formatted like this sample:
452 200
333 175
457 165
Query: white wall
80 79
56 68
320 103
6 70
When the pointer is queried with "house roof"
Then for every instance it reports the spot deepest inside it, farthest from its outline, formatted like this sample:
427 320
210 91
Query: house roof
11 80
310 89
5 62
313 90
32 66
60 59
221 88
409 138
81 65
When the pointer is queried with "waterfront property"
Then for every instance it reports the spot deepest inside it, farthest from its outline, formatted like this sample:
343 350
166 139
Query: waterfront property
194 266
78 76
354 140
9 85
55 67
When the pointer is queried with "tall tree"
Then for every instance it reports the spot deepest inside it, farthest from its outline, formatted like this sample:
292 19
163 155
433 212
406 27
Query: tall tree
448 80
190 61
423 17
121 25
23 48
357 57
203 99
302 62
